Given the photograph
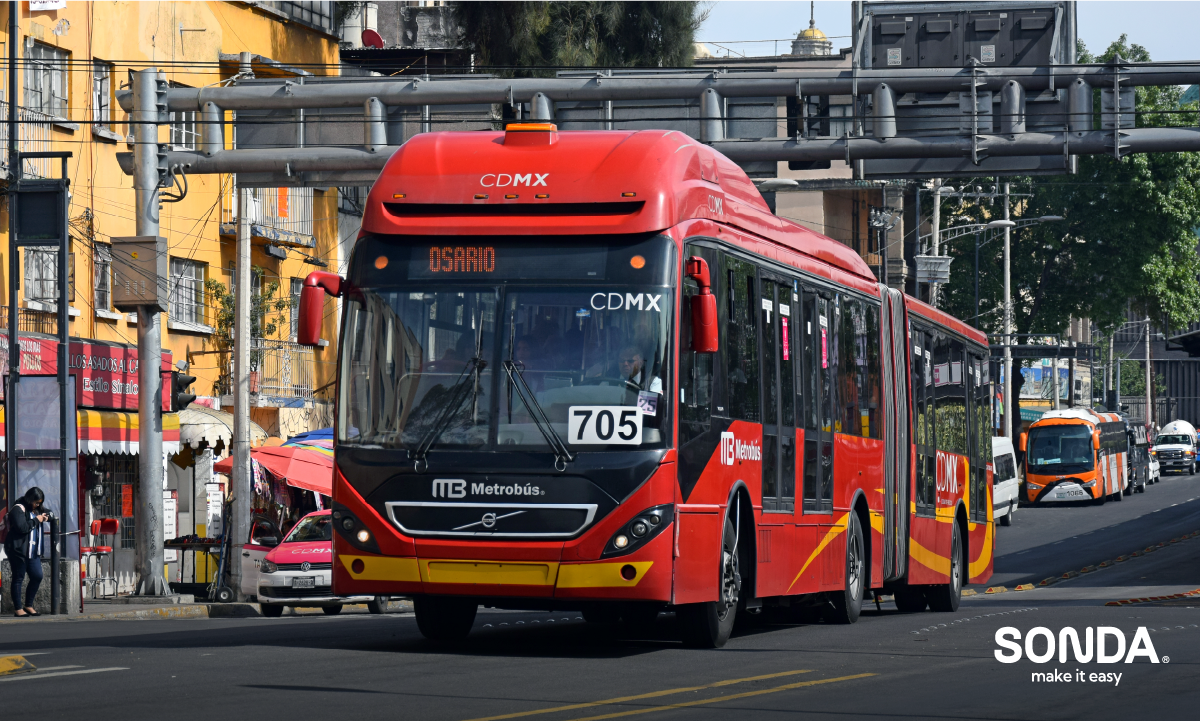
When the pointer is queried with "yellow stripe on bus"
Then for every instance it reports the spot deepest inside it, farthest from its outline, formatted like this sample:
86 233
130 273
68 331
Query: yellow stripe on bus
489 572
600 575
382 568
838 527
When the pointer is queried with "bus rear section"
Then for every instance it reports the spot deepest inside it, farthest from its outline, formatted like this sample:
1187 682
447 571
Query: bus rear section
1076 455
626 396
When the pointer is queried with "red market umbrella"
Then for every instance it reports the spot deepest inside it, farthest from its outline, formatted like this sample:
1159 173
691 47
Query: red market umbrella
299 467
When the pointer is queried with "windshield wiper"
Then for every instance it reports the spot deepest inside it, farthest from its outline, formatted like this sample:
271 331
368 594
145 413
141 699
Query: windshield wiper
458 392
562 454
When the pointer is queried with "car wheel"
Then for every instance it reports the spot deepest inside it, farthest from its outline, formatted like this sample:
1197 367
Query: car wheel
271 610
445 618
332 610
1006 519
378 604
945 598
847 603
708 624
911 599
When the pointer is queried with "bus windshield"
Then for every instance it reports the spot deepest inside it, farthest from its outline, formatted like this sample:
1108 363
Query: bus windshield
1060 449
470 365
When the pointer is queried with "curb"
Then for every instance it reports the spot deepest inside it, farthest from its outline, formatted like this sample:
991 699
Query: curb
1025 587
12 665
1109 563
199 610
996 589
1127 601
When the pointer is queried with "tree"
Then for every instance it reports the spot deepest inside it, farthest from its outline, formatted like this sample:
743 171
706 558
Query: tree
267 316
1127 238
532 38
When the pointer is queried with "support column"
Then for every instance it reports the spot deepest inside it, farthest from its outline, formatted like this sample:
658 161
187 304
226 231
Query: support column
149 520
936 246
712 124
240 523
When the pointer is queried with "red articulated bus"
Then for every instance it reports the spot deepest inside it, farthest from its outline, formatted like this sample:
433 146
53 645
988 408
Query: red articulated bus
592 371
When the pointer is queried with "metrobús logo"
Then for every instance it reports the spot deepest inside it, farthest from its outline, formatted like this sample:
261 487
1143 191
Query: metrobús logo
1104 644
507 180
457 488
733 450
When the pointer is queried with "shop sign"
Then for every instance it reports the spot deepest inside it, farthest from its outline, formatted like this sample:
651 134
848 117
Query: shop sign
106 374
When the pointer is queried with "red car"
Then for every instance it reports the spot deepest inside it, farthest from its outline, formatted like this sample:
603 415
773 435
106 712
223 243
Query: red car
298 572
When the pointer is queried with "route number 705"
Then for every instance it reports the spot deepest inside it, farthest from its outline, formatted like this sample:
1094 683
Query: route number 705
604 425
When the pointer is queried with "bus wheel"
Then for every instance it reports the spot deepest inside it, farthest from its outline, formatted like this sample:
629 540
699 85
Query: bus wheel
378 604
1118 496
945 598
847 604
1100 501
708 625
443 618
910 599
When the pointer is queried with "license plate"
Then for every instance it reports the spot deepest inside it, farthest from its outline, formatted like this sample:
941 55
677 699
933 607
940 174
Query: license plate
304 582
1070 494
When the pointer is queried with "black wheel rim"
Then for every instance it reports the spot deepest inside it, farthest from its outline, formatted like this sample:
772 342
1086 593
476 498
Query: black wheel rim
729 582
955 565
854 565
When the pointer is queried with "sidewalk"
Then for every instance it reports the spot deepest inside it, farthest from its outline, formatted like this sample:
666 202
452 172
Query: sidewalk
101 611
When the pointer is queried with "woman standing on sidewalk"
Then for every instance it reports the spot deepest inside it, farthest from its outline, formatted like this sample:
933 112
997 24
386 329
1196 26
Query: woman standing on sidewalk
23 547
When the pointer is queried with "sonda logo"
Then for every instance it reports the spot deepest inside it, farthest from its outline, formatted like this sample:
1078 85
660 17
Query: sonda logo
1104 644
733 450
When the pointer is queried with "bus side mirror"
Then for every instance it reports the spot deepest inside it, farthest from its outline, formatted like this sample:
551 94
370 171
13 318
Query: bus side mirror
317 285
704 308
1021 442
1096 440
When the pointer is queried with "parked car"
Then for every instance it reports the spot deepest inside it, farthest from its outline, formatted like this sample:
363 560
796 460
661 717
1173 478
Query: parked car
1175 447
299 571
1006 483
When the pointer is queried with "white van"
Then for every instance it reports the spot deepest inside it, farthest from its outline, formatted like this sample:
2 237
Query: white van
1006 484
1175 447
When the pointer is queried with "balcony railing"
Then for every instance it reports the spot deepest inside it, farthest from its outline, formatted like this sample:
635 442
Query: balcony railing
31 321
277 214
34 133
282 374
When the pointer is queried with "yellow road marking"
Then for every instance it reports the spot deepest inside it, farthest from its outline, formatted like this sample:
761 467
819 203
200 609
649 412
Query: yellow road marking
652 694
10 665
728 697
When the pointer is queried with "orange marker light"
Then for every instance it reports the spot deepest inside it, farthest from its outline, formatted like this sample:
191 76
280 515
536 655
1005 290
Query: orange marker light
480 196
398 196
628 195
542 196
638 262
511 196
381 262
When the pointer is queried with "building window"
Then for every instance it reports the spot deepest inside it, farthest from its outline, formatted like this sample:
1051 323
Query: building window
351 200
102 94
187 291
41 276
46 80
185 135
102 264
297 287
317 14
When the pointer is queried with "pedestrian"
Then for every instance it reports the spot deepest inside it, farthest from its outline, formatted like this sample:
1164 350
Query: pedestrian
24 545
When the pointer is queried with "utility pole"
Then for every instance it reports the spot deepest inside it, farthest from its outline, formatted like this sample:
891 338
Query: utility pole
1149 375
240 525
150 557
937 234
1008 384
14 175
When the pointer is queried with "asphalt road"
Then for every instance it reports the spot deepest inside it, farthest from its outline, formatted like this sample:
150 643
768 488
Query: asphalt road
555 667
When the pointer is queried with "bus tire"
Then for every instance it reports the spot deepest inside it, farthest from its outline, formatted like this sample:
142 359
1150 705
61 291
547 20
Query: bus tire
444 618
1119 495
1100 501
271 610
945 598
708 624
378 604
847 603
910 599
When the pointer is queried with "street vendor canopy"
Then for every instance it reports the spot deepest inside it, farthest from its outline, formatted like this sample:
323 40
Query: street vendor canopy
114 432
298 467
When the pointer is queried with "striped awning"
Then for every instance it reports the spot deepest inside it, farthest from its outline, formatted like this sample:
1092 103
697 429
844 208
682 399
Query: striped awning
114 432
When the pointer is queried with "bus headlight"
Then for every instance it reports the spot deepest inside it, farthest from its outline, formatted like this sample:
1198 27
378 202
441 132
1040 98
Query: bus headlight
1033 486
640 529
364 535
1089 484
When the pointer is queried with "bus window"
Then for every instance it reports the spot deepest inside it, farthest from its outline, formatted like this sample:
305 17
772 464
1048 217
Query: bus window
820 364
950 416
741 340
700 389
860 373
874 389
779 431
769 326
923 412
981 436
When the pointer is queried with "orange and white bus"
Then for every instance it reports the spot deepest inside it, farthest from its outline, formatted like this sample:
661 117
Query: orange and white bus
1076 455
593 371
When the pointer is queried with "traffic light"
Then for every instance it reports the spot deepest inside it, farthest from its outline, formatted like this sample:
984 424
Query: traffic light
180 398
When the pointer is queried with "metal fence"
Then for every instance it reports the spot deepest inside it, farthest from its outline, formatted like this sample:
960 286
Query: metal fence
280 370
35 136
31 321
289 209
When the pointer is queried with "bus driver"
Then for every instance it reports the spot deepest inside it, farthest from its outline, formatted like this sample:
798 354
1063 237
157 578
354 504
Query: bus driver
633 369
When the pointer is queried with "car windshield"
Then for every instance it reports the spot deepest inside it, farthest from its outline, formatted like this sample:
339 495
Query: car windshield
1181 439
1060 449
506 362
311 528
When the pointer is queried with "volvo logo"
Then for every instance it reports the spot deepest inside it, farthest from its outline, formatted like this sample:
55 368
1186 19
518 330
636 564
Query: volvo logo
305 566
489 520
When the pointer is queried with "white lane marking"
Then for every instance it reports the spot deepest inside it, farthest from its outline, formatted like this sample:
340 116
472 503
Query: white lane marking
58 668
28 676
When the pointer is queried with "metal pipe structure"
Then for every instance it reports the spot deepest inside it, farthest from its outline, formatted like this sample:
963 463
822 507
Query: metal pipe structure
1008 384
937 235
1149 378
150 556
653 86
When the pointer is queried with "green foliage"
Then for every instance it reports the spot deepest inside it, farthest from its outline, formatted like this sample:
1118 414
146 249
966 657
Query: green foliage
268 314
1127 239
517 38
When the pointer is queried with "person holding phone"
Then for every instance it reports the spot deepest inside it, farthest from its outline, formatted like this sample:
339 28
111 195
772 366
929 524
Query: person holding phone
24 545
